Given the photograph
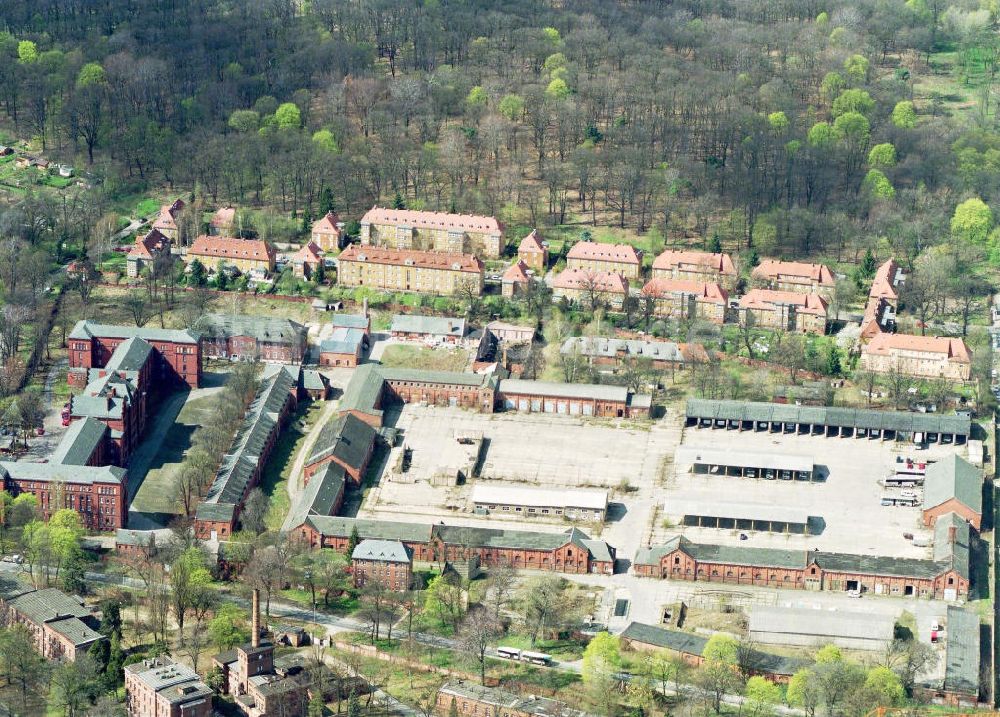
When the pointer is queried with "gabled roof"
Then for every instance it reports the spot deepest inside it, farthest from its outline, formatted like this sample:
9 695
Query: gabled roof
531 244
953 477
231 248
308 253
599 251
766 299
46 472
320 495
553 389
702 260
431 220
957 552
962 652
661 286
266 329
597 346
385 551
327 224
949 348
585 279
168 215
516 273
86 329
350 321
775 269
410 257
884 283
130 355
347 438
153 241
223 218
79 442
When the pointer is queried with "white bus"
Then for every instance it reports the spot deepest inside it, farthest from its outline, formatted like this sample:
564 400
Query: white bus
536 658
509 653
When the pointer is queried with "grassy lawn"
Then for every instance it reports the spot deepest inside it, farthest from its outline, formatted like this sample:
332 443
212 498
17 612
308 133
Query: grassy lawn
421 357
146 207
57 181
561 650
274 480
155 495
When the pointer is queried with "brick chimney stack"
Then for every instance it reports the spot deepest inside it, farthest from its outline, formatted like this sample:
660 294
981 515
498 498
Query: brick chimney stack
255 627
952 532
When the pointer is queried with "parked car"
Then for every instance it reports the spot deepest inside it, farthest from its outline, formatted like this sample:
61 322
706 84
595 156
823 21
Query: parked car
854 593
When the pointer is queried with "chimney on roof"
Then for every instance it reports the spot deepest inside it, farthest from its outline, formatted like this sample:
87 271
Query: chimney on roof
255 626
952 532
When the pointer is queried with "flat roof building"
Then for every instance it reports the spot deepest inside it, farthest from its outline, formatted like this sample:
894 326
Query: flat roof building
164 688
806 627
745 464
522 501
473 699
768 518
443 329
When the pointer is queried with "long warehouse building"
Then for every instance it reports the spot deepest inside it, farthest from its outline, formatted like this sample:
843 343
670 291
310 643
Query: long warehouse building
517 500
804 627
827 421
746 464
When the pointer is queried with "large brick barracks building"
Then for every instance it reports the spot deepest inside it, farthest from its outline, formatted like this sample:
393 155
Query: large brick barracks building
945 576
569 552
177 353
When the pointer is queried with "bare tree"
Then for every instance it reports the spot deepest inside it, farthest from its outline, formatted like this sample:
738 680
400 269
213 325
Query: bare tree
254 512
500 589
479 630
139 308
897 384
867 381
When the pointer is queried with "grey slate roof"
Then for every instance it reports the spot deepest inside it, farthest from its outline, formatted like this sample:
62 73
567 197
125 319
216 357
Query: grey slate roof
434 325
64 614
239 465
502 538
44 472
551 389
611 348
11 587
958 555
86 329
828 416
509 703
379 529
130 355
793 559
345 437
174 682
344 340
79 442
824 624
962 652
364 390
104 397
691 644
265 329
320 495
953 477
386 551
313 380
349 321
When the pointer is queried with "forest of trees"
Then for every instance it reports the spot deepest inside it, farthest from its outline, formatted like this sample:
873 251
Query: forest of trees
788 126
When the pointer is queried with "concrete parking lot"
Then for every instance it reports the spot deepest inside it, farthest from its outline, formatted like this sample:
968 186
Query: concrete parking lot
847 501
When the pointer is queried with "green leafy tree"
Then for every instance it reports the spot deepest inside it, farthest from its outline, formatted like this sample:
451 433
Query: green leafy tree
288 116
477 98
829 653
904 115
778 122
27 52
511 106
852 100
762 696
882 155
878 185
832 84
972 221
721 647
856 67
91 74
325 140
821 135
885 686
601 657
229 627
197 277
244 121
803 692
557 89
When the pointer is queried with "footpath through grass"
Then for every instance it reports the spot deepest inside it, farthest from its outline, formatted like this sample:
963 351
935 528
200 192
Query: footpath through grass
274 479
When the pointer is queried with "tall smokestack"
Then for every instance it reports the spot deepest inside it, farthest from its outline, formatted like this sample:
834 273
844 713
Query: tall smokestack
255 636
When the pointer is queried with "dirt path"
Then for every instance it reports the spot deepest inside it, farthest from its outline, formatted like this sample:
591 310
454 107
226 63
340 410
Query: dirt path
305 450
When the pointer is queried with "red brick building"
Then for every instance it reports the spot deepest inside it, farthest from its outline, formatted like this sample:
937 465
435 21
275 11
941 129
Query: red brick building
569 552
697 266
474 700
946 576
384 561
160 687
345 440
572 399
252 338
217 517
177 353
98 494
687 299
348 342
61 626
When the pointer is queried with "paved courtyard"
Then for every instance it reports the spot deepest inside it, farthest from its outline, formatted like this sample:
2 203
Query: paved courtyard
847 501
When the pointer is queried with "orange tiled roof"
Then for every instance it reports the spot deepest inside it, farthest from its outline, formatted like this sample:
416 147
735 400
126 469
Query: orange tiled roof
766 299
430 220
516 272
424 259
952 348
672 258
704 290
882 283
231 248
605 281
776 269
167 213
146 245
597 251
870 320
308 253
328 223
531 244
224 217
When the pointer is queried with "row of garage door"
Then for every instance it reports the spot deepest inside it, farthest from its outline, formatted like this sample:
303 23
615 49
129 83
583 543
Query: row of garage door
537 405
